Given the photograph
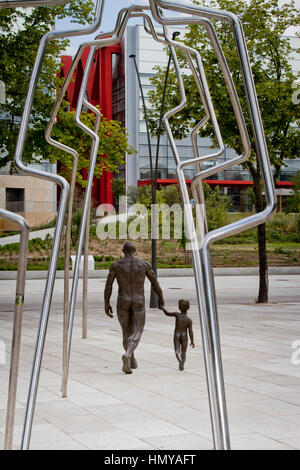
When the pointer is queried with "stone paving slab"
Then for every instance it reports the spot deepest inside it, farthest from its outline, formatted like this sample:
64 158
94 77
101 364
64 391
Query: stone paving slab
159 407
163 272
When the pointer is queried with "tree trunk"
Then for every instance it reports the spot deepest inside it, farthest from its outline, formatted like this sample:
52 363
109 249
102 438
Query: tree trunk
263 265
262 247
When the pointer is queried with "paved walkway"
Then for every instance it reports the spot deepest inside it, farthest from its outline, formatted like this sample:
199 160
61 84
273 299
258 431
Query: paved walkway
159 407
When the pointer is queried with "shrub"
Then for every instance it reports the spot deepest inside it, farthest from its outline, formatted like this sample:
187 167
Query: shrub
216 207
293 202
98 258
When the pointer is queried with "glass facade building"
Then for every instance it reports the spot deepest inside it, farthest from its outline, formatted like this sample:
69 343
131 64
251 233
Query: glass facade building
128 108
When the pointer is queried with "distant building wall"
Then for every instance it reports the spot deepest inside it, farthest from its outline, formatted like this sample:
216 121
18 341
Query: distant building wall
38 206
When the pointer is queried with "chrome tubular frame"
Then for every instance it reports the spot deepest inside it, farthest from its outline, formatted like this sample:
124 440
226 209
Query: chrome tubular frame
69 315
201 251
30 3
52 35
87 199
200 247
21 279
17 325
117 34
124 16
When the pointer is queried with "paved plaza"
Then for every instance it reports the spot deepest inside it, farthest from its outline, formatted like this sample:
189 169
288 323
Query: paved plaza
159 407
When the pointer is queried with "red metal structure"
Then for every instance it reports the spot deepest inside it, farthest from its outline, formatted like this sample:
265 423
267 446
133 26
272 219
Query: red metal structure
99 90
213 183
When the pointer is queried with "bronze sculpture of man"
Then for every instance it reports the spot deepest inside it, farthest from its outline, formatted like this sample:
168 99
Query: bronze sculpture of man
130 273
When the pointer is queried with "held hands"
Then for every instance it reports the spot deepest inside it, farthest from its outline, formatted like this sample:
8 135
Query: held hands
109 311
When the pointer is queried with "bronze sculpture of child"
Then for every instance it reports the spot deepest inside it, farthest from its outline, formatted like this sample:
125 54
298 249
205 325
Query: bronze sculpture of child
182 325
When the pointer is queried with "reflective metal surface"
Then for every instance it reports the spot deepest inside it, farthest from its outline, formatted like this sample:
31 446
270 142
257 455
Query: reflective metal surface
98 43
200 246
18 310
61 211
30 3
17 325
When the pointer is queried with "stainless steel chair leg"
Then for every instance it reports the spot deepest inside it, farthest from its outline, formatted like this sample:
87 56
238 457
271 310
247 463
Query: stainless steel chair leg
117 34
17 325
30 3
60 217
200 248
202 262
86 205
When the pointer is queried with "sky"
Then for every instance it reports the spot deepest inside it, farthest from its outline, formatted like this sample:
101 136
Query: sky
111 9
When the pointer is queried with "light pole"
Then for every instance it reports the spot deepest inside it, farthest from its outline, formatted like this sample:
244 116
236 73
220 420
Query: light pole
133 57
153 296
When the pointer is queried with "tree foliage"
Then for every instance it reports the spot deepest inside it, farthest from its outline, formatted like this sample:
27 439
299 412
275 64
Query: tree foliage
113 144
143 195
20 33
293 202
119 187
216 204
216 207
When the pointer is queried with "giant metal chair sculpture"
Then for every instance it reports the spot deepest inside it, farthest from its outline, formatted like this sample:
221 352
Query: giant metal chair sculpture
200 246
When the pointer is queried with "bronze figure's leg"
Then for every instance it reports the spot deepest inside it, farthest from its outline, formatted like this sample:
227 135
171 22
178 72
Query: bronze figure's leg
126 365
177 348
124 317
136 328
184 343
133 361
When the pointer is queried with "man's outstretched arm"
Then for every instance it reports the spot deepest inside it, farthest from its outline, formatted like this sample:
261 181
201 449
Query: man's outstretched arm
152 278
107 292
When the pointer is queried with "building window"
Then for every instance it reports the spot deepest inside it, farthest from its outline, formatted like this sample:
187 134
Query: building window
15 199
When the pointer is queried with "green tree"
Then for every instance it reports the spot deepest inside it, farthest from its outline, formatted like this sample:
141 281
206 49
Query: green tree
20 33
265 23
143 195
293 202
216 207
112 148
119 189
171 194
